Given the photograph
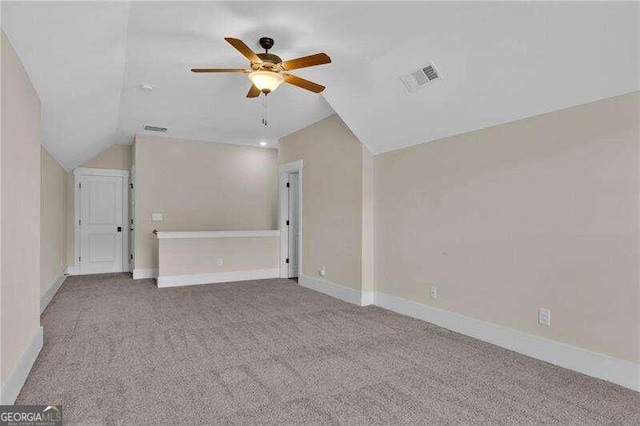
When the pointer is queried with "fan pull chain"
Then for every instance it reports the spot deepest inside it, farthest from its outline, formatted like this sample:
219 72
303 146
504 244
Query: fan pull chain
265 111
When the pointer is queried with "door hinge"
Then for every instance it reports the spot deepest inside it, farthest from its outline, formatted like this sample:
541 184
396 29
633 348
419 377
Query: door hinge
79 258
288 184
131 185
79 186
287 223
79 221
131 256
287 260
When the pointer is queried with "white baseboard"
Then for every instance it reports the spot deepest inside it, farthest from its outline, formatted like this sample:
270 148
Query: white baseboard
71 270
52 290
13 384
357 297
368 298
593 364
216 277
142 274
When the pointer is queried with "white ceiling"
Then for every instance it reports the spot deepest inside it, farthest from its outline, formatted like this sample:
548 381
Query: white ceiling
74 54
500 61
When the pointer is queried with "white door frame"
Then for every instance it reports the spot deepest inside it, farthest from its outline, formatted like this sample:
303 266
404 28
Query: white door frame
131 223
283 210
124 174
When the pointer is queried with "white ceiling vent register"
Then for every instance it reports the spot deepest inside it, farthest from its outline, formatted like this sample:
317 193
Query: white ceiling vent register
155 129
421 77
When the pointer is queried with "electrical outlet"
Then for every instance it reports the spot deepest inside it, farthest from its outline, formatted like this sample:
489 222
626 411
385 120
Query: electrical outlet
433 292
322 272
220 261
544 316
157 216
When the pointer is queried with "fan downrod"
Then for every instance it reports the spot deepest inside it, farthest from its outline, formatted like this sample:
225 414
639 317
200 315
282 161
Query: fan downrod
266 43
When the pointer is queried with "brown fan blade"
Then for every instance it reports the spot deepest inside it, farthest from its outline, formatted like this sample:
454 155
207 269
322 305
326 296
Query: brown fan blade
306 61
244 49
240 70
301 82
254 92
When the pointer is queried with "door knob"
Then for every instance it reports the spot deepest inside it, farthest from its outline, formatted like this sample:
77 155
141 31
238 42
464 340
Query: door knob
119 228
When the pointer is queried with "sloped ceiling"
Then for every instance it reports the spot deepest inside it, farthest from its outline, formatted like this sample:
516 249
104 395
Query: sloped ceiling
74 54
500 61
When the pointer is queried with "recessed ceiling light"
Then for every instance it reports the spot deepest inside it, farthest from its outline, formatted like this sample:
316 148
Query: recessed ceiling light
263 143
146 88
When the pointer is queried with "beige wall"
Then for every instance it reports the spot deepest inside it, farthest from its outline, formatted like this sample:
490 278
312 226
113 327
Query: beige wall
118 157
199 255
53 219
115 157
332 199
20 206
542 212
201 186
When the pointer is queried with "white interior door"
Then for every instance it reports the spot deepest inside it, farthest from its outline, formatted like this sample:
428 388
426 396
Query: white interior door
101 224
294 228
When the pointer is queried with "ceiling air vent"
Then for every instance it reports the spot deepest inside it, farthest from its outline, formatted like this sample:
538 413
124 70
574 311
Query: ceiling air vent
155 129
421 77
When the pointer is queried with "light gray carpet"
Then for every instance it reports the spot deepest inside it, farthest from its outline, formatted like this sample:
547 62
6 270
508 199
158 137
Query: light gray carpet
270 351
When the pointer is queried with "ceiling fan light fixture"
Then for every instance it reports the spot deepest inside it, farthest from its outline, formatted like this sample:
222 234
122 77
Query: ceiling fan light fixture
266 81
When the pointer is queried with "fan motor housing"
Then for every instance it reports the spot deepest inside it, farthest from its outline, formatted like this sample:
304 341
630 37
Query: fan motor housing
269 62
269 57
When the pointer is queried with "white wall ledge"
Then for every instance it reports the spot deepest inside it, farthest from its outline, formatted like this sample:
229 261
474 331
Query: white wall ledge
216 234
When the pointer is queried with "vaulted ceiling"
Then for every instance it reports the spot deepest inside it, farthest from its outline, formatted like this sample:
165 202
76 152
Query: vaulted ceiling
499 61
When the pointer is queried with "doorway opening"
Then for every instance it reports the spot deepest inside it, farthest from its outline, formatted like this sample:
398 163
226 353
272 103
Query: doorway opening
290 220
101 207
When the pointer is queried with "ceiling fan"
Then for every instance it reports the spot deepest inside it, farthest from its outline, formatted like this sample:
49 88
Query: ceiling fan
268 71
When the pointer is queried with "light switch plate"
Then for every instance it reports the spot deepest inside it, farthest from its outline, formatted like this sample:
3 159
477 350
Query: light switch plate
156 216
544 316
433 292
